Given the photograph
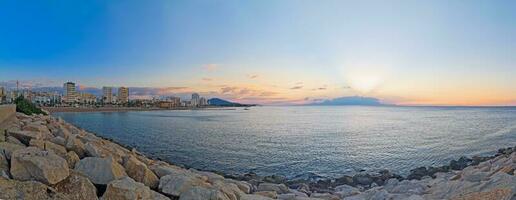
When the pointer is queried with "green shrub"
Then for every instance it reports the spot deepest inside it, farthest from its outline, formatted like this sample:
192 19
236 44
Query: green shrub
25 106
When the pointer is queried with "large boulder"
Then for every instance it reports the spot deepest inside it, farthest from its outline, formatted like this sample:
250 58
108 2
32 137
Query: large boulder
103 148
9 148
140 172
32 163
278 188
126 188
162 169
25 136
38 127
196 193
48 146
254 197
346 191
77 187
13 140
75 145
362 179
4 165
176 183
58 140
27 190
71 158
100 170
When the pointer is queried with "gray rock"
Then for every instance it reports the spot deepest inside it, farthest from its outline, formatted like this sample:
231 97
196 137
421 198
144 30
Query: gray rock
34 164
77 187
176 183
75 145
9 148
25 136
58 140
346 191
140 173
197 193
362 179
100 170
4 166
27 190
278 188
126 188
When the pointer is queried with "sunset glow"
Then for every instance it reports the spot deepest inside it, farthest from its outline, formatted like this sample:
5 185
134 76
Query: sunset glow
269 52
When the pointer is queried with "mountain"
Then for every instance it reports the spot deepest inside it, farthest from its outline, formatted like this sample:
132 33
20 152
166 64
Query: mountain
222 102
351 100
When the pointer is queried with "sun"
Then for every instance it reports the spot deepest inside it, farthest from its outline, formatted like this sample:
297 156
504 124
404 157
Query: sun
364 83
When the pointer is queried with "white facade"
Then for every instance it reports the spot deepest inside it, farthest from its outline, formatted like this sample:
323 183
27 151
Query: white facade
195 100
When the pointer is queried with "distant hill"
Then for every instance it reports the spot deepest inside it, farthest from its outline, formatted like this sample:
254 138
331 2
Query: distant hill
351 100
222 102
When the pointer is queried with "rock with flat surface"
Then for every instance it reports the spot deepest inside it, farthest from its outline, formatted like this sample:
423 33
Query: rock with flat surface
197 192
28 190
4 166
71 158
9 148
58 140
346 191
32 163
140 172
13 140
126 188
254 197
75 145
278 188
176 184
100 170
25 136
77 187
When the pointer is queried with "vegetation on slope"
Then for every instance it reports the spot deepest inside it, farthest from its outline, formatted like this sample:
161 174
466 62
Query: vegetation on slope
26 107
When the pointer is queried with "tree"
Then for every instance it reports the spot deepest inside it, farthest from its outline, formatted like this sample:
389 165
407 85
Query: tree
25 106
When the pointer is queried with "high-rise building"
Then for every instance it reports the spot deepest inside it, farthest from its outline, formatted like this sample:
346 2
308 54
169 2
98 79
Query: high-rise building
195 100
123 94
107 94
203 101
70 93
2 94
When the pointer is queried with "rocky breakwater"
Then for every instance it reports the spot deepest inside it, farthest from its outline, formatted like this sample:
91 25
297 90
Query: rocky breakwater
42 157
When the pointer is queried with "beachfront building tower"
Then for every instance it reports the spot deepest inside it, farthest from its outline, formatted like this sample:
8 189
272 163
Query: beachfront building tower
123 95
70 95
195 100
107 94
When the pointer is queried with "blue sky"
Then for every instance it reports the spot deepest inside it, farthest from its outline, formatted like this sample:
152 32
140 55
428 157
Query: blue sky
408 52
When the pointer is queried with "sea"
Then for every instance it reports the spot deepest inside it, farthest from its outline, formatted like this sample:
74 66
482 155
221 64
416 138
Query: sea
297 141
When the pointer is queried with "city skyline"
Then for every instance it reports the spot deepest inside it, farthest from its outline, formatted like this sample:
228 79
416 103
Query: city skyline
269 52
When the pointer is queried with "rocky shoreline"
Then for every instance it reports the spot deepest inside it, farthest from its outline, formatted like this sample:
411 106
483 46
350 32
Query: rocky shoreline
43 157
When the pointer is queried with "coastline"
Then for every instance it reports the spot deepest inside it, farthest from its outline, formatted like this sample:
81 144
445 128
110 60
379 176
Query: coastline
162 180
122 109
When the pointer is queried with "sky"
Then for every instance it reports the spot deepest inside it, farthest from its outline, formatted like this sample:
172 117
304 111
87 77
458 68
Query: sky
269 52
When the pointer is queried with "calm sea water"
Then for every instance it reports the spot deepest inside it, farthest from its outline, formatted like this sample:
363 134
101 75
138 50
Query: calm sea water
293 141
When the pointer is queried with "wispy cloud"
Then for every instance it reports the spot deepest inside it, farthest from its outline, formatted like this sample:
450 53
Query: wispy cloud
207 79
211 67
252 76
296 87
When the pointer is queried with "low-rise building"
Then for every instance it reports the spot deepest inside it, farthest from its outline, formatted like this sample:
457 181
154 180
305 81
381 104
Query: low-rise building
87 98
